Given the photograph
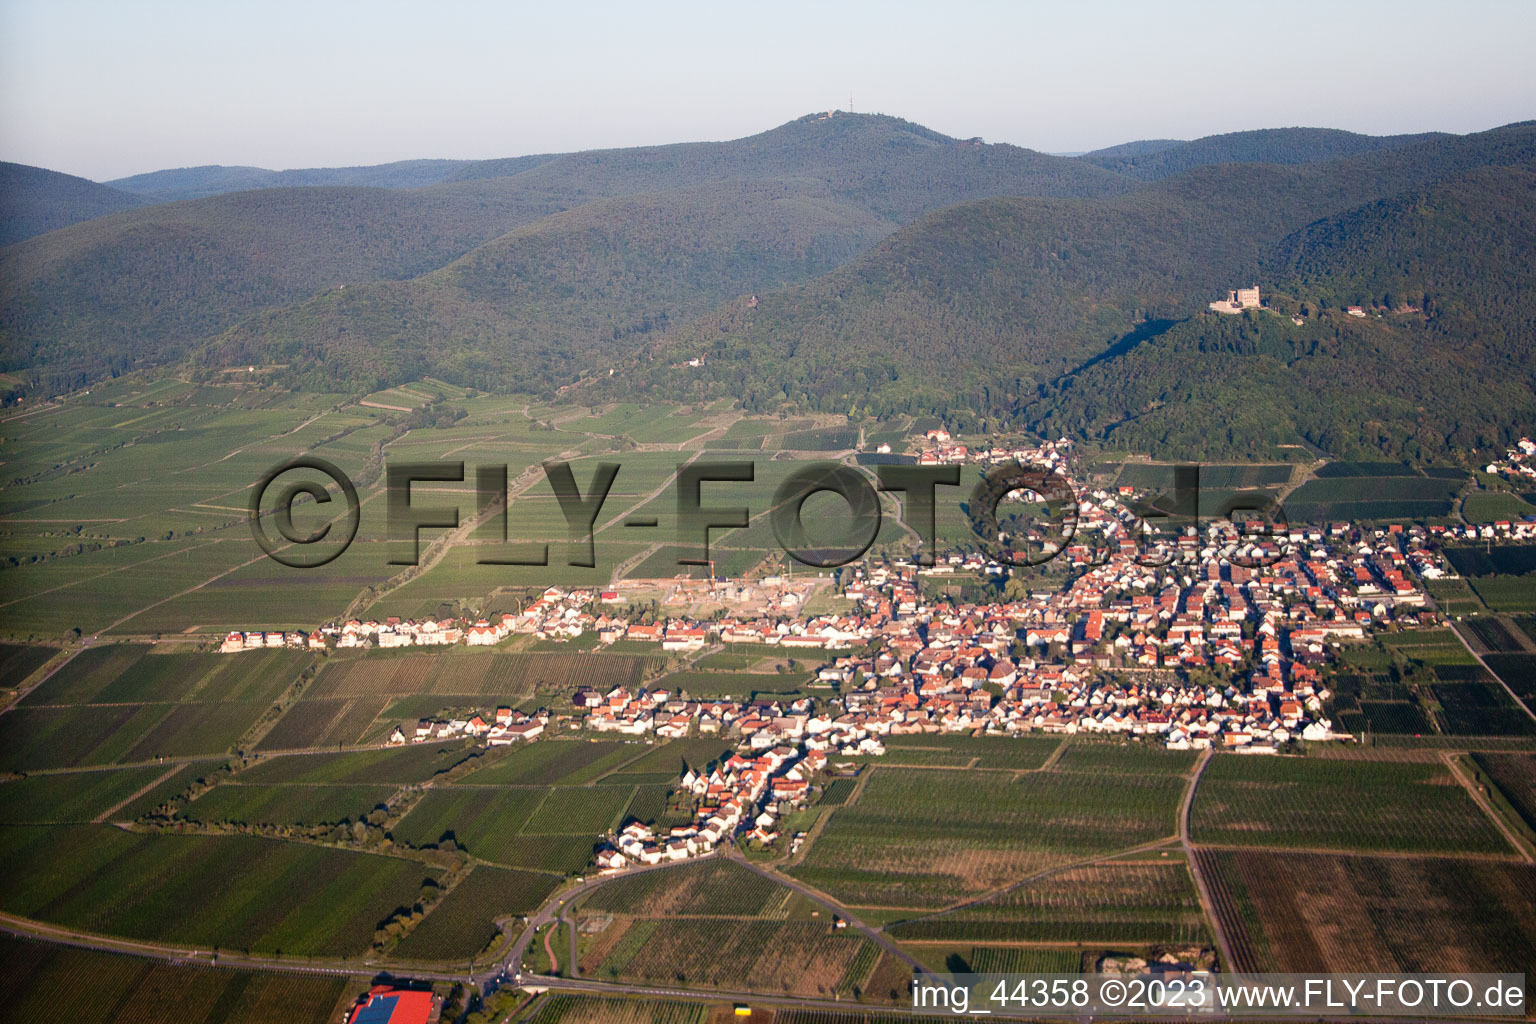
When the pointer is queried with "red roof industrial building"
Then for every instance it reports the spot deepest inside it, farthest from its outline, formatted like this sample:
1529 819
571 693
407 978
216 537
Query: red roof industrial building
385 1005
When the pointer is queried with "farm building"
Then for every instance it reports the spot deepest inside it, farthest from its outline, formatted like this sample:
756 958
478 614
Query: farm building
385 1005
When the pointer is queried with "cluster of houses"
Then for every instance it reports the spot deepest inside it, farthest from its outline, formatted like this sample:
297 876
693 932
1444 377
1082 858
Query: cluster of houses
500 728
739 796
939 450
1221 640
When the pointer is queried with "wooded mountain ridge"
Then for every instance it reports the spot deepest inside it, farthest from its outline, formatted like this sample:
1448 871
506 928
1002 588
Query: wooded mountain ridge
854 263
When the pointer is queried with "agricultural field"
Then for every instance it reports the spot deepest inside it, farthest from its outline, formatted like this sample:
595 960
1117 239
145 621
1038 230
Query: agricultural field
171 786
461 672
648 805
1480 709
1515 777
18 661
800 957
711 887
1118 903
132 703
140 674
1119 758
1308 803
736 685
1495 506
486 822
1157 478
335 721
1507 593
837 792
1493 634
926 839
1371 492
1003 753
1454 596
555 762
51 984
542 829
1020 960
666 762
396 765
571 1009
195 890
285 804
1504 560
1517 670
1281 912
461 925
578 810
37 738
71 796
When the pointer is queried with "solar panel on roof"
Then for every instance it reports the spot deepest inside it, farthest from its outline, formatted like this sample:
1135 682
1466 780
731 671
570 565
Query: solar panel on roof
378 1010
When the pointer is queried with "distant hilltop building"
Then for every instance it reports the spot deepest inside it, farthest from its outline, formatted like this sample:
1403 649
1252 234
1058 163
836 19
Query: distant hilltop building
1239 300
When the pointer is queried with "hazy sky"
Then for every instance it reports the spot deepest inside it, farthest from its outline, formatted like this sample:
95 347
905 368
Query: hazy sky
105 89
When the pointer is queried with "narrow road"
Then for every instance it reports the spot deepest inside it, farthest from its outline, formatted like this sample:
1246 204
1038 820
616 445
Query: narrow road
1509 834
1207 904
879 938
106 815
52 671
1455 628
1040 875
27 928
511 962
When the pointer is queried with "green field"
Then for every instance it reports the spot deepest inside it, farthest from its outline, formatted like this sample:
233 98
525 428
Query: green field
197 890
736 685
1117 758
461 925
71 796
1140 903
126 510
537 828
36 738
1009 753
322 723
1493 506
555 762
49 984
140 674
563 1009
712 887
1515 777
929 838
1340 805
286 804
399 765
1371 491
18 661
669 760
1507 593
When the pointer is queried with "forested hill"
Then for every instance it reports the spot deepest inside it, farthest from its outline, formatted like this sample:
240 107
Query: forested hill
142 288
197 182
554 301
860 264
34 201
892 167
139 288
1009 311
1156 159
